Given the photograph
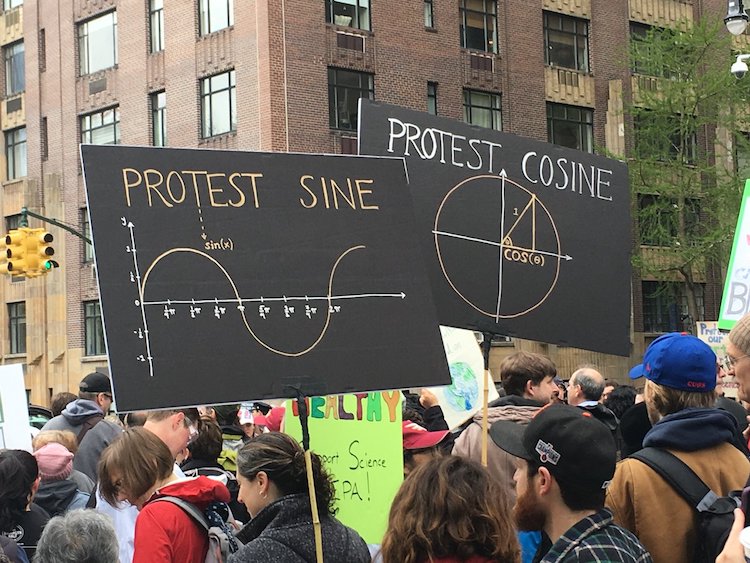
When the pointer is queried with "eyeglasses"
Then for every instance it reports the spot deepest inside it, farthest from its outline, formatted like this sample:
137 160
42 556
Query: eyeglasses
729 362
108 395
191 426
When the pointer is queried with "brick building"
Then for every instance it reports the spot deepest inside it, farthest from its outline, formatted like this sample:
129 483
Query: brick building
285 75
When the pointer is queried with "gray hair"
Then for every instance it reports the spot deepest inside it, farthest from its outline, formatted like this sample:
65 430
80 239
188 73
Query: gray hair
590 381
78 536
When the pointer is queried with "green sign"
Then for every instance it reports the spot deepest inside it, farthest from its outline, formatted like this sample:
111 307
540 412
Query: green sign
359 439
735 302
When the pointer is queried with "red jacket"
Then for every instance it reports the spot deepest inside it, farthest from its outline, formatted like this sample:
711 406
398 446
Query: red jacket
166 533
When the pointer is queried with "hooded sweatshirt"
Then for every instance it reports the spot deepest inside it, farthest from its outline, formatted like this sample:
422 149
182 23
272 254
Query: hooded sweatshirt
166 533
58 497
641 501
499 463
73 416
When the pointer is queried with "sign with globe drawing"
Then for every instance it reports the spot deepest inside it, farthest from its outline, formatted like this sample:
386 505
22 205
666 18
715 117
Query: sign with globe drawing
522 238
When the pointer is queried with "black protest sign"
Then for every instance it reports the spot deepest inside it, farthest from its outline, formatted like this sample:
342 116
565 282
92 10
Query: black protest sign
521 238
226 276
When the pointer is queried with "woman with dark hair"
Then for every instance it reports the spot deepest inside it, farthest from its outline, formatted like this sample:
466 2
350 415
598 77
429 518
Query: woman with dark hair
138 467
273 487
450 510
20 519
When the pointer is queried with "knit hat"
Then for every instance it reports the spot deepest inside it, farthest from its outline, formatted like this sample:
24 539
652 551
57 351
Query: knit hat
55 462
740 334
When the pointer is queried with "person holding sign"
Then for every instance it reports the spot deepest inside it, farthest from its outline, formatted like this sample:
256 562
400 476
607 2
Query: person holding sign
450 509
274 488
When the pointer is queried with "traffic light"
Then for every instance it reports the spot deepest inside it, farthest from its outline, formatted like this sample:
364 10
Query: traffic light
38 252
15 252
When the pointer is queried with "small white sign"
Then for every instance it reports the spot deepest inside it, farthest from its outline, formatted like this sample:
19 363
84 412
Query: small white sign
15 431
462 399
708 332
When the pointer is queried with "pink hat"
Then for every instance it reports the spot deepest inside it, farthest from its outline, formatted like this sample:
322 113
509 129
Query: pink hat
55 462
418 438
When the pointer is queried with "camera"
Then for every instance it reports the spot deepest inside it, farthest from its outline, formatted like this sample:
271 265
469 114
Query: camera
739 68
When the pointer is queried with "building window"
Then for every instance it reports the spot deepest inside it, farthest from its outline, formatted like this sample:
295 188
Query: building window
349 13
10 4
15 153
659 219
17 327
432 98
216 15
479 24
43 139
566 41
429 14
159 119
218 104
88 249
345 88
483 109
647 45
97 43
42 50
101 127
665 306
15 81
570 126
94 332
660 136
156 24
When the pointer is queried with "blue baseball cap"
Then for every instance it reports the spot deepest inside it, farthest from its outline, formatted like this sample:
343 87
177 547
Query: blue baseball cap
679 361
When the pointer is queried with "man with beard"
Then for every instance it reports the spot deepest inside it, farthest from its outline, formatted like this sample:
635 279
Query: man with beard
566 459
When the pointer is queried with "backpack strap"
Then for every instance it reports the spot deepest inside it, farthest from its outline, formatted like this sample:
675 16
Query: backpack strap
88 424
679 476
188 507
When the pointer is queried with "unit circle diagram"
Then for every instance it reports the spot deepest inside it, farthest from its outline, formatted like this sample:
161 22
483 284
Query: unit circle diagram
497 246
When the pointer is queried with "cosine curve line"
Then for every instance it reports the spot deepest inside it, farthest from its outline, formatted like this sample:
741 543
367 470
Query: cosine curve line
239 299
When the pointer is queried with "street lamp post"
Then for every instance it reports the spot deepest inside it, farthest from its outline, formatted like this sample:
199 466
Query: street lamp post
736 20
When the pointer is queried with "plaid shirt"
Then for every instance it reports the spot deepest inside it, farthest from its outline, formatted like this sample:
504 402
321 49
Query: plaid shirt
596 539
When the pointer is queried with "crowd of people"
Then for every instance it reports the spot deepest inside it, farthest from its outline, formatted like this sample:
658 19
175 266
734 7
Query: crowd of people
567 476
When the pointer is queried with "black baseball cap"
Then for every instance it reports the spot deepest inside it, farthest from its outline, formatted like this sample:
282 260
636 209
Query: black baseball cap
578 450
95 382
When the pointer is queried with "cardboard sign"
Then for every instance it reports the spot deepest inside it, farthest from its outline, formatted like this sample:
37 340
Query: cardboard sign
521 238
462 399
227 276
15 431
735 303
359 439
708 332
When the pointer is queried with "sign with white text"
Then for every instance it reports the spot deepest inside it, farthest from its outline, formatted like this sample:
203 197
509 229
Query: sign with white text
708 332
521 238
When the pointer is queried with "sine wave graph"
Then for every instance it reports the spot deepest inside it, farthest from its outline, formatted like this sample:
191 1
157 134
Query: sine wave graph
328 299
